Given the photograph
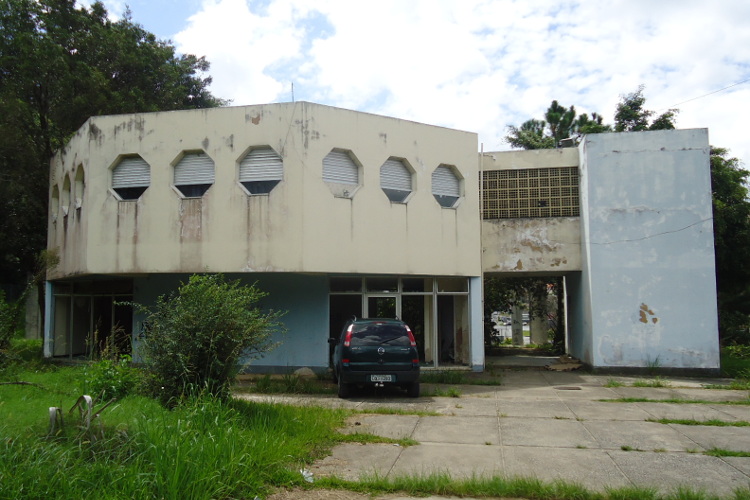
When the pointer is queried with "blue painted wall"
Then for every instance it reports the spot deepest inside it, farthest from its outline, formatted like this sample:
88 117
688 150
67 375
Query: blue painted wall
303 297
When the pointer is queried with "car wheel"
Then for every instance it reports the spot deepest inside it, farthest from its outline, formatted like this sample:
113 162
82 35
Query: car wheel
413 390
344 389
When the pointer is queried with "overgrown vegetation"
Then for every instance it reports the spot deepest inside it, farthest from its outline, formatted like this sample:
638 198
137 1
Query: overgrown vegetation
203 448
197 336
10 314
499 487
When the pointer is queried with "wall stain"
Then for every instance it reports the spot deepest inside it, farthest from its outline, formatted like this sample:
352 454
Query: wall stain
519 266
645 312
95 133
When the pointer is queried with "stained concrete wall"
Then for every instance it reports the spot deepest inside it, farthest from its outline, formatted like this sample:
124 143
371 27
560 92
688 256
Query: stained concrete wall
299 227
647 293
524 246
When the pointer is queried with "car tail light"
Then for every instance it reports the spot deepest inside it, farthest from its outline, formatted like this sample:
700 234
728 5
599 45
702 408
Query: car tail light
411 337
348 337
345 361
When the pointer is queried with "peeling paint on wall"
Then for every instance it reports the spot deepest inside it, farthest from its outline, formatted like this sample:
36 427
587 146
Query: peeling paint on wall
646 313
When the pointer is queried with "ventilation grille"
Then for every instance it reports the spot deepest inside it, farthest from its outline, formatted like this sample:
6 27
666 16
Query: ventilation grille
525 193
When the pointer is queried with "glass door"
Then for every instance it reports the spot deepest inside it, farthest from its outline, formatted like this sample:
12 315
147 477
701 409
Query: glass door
382 306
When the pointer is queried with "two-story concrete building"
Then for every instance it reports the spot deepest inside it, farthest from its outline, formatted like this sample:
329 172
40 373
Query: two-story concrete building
338 213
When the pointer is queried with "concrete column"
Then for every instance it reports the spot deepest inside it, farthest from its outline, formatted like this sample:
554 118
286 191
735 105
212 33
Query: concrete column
517 325
538 327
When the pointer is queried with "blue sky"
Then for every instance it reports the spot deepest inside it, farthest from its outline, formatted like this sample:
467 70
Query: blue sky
476 65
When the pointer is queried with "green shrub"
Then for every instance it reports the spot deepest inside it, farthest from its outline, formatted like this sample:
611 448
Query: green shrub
27 350
110 378
9 319
738 351
196 336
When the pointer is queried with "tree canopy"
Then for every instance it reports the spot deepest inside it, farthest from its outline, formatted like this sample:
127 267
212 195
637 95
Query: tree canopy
59 65
732 245
561 122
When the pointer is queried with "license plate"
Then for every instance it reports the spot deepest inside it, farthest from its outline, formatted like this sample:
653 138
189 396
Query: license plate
381 378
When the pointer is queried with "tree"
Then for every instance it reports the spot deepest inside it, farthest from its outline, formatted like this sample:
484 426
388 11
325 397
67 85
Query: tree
59 65
196 336
731 211
631 117
559 123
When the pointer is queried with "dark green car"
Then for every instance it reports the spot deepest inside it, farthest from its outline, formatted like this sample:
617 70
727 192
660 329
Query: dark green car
375 352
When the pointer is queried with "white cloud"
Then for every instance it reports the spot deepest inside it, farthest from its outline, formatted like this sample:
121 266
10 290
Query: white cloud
480 65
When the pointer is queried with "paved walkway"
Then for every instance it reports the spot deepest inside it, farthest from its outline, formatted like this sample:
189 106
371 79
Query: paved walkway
551 426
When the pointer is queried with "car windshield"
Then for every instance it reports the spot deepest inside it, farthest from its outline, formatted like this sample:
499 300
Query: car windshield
379 334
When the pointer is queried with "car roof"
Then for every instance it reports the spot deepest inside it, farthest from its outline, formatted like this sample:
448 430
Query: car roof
373 320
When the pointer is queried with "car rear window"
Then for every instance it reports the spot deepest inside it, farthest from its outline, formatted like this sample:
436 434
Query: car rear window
379 334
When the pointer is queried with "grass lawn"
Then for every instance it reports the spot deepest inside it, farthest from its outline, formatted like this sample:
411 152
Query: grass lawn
205 449
202 449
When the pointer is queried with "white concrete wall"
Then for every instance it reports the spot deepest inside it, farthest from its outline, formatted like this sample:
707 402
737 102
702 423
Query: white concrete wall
532 245
522 246
648 280
299 227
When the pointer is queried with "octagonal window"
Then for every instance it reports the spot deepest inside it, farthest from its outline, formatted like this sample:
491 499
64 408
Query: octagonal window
446 186
66 195
54 204
80 184
260 170
131 177
396 180
341 173
194 174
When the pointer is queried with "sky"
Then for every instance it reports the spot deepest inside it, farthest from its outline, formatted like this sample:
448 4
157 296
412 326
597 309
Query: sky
475 65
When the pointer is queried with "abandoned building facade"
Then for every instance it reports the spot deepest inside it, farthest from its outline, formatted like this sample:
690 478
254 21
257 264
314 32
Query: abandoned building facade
337 213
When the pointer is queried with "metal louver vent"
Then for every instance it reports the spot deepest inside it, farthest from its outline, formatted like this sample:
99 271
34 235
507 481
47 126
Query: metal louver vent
131 172
446 187
262 164
194 168
339 168
395 175
395 180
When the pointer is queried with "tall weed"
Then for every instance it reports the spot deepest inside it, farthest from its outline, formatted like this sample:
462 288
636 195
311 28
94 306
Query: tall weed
203 448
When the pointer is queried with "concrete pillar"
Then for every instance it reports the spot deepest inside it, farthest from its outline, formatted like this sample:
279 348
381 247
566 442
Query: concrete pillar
517 325
538 327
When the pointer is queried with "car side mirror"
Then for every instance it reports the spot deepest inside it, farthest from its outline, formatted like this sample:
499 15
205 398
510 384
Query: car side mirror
333 340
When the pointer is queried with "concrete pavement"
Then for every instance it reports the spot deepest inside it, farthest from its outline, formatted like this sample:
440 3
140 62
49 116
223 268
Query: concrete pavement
551 426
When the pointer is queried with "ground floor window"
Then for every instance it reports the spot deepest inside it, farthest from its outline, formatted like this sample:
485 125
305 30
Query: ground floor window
436 309
89 318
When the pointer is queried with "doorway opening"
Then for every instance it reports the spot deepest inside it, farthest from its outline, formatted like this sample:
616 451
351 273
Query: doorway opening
436 310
